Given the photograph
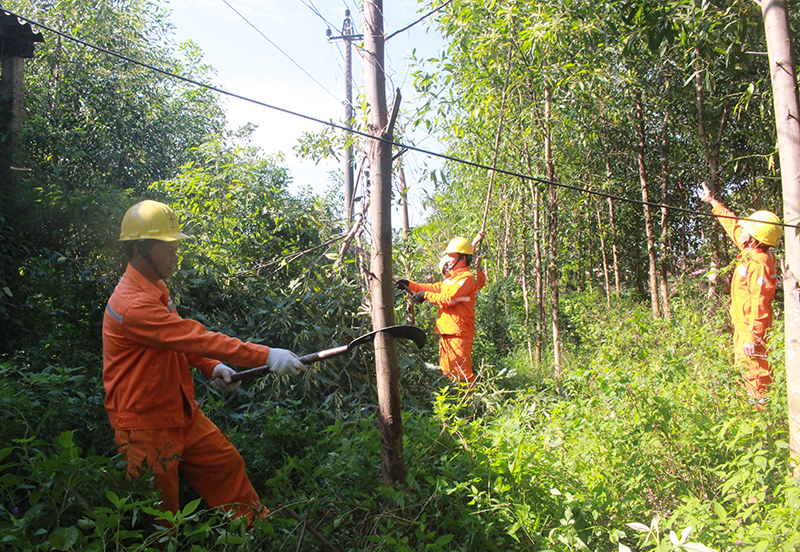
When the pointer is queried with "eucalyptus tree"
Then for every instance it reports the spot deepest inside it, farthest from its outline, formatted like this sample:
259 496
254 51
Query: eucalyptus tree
537 34
381 126
716 50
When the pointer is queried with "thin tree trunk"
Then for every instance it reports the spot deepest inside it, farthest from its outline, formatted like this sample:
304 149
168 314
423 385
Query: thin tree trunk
401 180
537 252
602 233
614 253
684 241
552 243
538 272
711 152
613 227
387 370
648 220
506 236
782 63
662 257
581 273
524 254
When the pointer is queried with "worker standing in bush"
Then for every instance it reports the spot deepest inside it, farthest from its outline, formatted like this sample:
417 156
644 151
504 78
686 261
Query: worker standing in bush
455 297
752 288
147 353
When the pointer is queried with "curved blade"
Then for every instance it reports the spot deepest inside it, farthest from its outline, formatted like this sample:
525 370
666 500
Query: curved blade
398 332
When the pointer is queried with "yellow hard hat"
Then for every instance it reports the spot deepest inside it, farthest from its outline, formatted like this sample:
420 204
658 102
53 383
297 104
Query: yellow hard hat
150 220
764 226
460 245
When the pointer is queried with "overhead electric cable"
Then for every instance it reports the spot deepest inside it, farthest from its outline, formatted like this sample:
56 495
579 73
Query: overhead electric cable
310 5
375 137
280 50
420 19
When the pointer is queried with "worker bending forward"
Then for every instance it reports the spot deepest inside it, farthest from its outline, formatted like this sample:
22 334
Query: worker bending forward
147 353
752 288
455 297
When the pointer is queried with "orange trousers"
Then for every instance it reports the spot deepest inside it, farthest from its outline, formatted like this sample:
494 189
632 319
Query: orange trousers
209 462
759 373
455 357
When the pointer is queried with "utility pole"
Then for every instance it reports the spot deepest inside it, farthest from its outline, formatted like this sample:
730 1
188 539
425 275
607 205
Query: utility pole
349 111
787 123
16 44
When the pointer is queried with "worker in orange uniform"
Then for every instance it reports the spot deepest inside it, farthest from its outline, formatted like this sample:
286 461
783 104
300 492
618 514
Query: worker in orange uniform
147 353
752 288
455 297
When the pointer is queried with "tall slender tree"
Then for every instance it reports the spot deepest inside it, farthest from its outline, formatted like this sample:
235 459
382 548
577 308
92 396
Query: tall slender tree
381 289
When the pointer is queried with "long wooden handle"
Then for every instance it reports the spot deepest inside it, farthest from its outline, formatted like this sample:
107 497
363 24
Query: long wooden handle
306 359
251 373
322 355
404 287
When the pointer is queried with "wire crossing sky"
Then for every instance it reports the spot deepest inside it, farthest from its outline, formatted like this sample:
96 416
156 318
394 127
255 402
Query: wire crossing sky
402 146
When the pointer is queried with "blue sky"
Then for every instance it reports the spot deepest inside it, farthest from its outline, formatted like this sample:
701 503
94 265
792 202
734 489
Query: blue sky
307 74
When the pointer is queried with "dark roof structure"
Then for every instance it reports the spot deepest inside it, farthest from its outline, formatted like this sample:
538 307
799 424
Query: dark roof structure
16 39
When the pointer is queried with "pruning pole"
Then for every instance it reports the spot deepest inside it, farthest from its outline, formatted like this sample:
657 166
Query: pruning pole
496 144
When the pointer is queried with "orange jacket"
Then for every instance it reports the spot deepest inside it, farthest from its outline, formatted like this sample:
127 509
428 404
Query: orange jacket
147 351
753 282
455 297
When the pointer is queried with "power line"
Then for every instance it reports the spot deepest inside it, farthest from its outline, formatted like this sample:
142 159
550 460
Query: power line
420 19
376 137
310 5
279 49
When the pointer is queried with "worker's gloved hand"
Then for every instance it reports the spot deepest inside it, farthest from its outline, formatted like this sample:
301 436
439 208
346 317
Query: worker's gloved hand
221 378
749 349
419 297
283 362
402 283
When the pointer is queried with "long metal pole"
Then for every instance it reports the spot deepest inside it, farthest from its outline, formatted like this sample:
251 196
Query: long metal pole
347 31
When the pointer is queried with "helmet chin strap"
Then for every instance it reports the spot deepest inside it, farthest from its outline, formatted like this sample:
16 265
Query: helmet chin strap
146 256
452 266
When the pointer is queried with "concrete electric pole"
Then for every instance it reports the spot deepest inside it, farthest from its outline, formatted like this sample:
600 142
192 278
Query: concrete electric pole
348 36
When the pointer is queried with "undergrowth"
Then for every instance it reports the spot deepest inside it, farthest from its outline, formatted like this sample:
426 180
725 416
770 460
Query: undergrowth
647 443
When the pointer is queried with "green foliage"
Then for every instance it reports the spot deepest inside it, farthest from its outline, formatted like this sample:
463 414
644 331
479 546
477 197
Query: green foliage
97 132
648 422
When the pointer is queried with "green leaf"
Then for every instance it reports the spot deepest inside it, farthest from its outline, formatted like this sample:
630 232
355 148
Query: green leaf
697 547
62 538
191 507
444 539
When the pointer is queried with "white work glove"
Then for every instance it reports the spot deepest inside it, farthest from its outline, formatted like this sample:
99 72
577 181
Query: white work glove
283 362
221 378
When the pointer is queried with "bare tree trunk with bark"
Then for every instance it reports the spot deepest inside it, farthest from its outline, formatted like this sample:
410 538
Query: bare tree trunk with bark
552 244
613 227
524 276
711 152
663 282
387 370
602 233
401 182
506 236
648 220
